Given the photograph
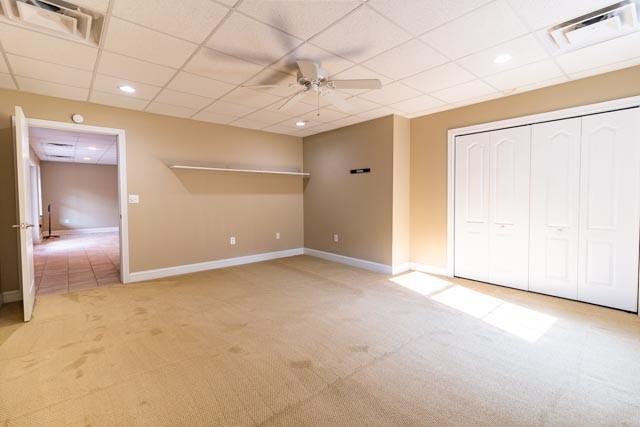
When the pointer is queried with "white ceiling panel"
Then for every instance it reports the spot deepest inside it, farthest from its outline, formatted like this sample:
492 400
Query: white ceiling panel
248 124
307 104
361 35
378 112
192 20
121 101
208 116
267 117
45 48
3 65
251 40
391 93
191 83
348 121
359 105
112 64
250 98
287 84
6 82
524 76
419 103
439 78
406 60
418 16
298 18
547 13
229 108
331 63
181 99
112 85
541 84
609 52
217 65
523 50
52 89
326 115
139 42
94 5
465 91
27 67
605 68
484 27
170 110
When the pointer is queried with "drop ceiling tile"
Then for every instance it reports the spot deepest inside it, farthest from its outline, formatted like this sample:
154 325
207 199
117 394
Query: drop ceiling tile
45 48
192 20
111 85
307 104
247 124
523 50
326 115
287 84
251 40
181 99
348 121
405 60
112 64
486 26
546 13
359 72
142 43
359 105
523 76
471 90
196 85
281 130
331 63
52 89
605 68
418 16
219 66
267 117
229 3
477 99
170 110
27 67
230 109
299 18
378 112
609 52
118 100
420 103
430 111
250 98
391 93
6 82
360 36
545 83
439 78
208 116
3 65
94 5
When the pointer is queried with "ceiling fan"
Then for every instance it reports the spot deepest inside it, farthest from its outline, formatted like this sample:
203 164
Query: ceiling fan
312 78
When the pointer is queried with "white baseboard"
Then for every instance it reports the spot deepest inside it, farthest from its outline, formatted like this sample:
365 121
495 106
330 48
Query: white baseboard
401 268
158 273
354 262
85 231
11 296
430 269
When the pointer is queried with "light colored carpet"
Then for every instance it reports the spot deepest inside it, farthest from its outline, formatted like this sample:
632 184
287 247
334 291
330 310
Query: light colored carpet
302 341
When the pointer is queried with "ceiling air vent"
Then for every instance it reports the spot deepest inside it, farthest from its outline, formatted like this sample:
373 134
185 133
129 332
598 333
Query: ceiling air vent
595 27
57 156
55 16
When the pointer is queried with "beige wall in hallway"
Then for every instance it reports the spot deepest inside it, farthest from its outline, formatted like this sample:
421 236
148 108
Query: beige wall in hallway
81 195
183 217
429 147
401 190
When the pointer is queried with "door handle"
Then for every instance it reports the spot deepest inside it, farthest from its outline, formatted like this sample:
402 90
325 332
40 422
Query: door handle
22 226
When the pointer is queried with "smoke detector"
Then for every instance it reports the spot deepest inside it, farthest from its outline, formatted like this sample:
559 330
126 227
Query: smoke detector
56 17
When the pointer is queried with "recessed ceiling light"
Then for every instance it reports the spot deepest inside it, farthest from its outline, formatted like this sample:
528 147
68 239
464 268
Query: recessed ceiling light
127 89
301 123
92 148
501 59
86 158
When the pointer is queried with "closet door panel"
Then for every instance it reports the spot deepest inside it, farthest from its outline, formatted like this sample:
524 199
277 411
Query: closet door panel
555 183
509 207
472 206
610 209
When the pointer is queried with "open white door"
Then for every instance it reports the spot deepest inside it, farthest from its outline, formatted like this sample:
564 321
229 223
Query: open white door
24 226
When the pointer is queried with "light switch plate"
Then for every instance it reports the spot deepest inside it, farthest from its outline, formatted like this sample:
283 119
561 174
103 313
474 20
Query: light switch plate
232 240
134 198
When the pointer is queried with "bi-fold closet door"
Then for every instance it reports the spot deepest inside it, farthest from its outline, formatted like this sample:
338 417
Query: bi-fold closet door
492 206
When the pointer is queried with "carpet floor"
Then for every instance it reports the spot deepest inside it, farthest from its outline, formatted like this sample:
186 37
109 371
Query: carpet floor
303 341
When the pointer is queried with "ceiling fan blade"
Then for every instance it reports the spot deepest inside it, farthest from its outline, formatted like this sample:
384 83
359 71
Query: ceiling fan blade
264 86
308 69
293 100
356 84
337 101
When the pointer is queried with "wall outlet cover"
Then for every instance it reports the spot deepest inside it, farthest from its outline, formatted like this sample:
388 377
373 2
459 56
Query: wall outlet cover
232 240
134 198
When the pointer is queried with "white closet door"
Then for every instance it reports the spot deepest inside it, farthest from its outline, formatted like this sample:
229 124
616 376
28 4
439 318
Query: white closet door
472 206
509 207
609 211
555 189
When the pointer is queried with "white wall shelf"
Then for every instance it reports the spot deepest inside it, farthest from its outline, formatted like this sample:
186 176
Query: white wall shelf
206 168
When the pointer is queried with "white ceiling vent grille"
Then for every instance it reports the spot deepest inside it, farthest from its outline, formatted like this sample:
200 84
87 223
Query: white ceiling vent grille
595 27
55 16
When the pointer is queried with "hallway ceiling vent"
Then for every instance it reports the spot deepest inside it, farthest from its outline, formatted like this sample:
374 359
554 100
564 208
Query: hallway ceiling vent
604 24
55 17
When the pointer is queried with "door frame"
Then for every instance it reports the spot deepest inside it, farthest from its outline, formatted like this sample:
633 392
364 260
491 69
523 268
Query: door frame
565 113
122 178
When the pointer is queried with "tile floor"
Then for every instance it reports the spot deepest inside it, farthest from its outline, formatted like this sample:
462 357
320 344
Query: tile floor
75 262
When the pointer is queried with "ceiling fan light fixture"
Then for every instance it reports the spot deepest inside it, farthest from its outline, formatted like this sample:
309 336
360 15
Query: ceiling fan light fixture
502 58
301 124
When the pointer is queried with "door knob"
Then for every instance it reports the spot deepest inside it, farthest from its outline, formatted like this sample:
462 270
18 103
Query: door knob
22 226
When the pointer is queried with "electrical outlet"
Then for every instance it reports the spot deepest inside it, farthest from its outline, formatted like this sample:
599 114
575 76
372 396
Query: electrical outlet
277 236
134 198
232 240
336 238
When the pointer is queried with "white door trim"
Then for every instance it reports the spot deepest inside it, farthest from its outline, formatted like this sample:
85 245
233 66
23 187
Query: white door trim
565 113
122 179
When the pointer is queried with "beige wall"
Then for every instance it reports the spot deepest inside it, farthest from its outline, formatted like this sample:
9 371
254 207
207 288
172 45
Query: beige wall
429 148
356 207
401 190
183 217
81 195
